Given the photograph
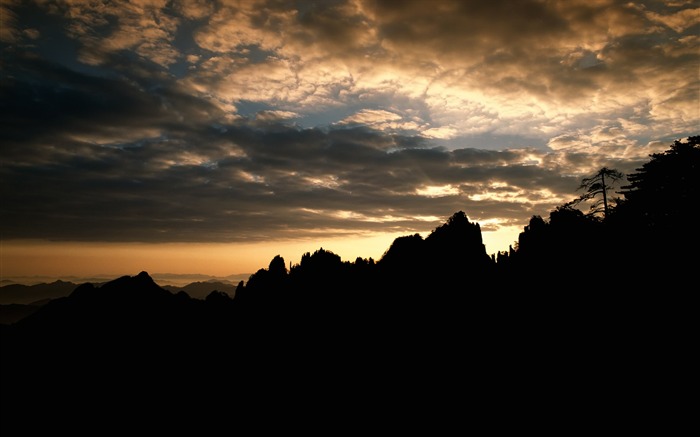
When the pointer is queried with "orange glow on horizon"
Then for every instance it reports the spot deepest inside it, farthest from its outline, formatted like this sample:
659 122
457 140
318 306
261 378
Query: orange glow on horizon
63 259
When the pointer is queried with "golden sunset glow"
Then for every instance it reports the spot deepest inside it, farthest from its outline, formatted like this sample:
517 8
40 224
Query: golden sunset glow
207 137
25 259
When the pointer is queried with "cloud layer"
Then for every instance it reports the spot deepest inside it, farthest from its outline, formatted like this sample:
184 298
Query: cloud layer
254 121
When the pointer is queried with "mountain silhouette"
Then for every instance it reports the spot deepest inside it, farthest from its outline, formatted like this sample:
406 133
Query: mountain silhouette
17 301
581 300
129 306
28 294
12 313
201 289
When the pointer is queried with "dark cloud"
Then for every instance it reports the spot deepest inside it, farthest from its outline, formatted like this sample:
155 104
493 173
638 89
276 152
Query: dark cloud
459 27
43 100
237 182
129 134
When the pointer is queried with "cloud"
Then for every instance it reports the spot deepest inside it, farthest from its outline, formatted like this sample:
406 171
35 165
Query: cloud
270 115
372 116
61 109
678 21
195 181
104 27
195 9
383 120
443 132
31 33
254 120
8 29
463 67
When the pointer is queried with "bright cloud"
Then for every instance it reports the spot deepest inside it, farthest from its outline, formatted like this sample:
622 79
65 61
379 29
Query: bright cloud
243 121
437 190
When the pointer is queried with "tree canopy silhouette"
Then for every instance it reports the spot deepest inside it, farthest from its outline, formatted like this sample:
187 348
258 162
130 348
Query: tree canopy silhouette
573 281
598 184
664 192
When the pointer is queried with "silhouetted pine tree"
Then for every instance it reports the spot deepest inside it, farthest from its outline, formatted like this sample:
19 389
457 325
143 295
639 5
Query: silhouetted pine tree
598 185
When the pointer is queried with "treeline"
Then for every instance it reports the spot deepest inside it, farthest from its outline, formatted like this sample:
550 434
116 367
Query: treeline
646 240
648 237
432 313
640 239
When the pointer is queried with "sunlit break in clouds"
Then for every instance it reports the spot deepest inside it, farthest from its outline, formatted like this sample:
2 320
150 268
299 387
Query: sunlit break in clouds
275 125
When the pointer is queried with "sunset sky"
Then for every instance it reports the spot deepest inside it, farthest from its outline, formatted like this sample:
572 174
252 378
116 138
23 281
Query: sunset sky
207 137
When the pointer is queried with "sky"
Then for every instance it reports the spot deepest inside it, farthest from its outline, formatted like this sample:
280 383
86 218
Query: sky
207 137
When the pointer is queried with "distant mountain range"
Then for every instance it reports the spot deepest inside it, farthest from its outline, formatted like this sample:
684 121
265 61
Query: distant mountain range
19 300
200 290
30 294
585 308
176 279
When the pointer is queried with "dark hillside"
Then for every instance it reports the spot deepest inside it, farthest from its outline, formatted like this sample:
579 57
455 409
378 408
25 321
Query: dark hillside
582 304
